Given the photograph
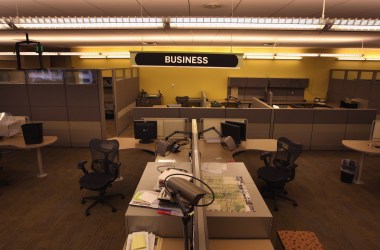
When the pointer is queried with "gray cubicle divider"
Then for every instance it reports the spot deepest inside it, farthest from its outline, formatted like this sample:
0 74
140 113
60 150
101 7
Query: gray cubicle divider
14 99
201 112
328 129
143 112
84 113
359 124
126 92
259 121
296 124
48 105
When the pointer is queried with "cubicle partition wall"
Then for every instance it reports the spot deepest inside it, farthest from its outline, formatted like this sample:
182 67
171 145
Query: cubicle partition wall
14 96
67 102
258 121
48 105
359 124
126 89
296 124
328 129
167 126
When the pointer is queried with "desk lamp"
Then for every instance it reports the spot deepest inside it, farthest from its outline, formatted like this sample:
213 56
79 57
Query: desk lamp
163 146
226 142
187 195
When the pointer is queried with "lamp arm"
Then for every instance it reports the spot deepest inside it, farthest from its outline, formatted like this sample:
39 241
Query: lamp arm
206 130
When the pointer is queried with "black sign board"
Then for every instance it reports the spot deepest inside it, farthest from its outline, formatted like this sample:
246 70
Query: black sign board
186 59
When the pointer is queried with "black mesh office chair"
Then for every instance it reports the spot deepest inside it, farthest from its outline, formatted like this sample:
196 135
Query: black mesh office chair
183 100
282 170
104 171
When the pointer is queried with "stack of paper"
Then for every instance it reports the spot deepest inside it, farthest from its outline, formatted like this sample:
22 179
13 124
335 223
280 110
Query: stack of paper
140 241
166 173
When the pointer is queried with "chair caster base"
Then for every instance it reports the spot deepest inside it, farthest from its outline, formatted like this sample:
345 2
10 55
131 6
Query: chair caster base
114 210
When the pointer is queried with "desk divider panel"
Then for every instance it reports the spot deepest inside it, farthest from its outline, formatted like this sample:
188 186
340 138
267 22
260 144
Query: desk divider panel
201 112
141 112
296 124
258 121
359 124
166 126
328 129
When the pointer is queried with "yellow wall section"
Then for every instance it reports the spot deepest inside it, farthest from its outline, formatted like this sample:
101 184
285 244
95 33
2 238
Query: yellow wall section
176 81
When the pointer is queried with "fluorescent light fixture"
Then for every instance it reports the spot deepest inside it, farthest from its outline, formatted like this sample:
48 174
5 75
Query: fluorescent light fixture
92 57
356 25
351 58
341 55
288 57
264 56
88 22
298 54
258 56
274 23
4 24
115 55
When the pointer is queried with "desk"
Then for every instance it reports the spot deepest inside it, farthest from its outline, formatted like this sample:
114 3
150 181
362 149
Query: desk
363 147
240 225
17 142
215 152
128 143
220 224
221 244
147 219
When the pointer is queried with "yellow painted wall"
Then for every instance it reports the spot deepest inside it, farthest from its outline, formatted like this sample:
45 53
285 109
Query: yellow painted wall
174 82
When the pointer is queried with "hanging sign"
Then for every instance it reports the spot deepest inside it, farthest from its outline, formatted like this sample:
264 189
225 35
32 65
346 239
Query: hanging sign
178 59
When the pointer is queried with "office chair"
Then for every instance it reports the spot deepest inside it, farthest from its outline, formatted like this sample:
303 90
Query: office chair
104 172
282 170
183 100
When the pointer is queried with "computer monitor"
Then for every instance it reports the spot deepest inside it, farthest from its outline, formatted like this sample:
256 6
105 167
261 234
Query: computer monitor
243 129
231 130
145 131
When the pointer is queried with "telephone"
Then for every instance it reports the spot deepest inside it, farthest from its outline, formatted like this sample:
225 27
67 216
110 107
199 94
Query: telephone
215 104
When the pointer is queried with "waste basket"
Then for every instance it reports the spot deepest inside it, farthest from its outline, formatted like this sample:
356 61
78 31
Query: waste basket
33 133
348 170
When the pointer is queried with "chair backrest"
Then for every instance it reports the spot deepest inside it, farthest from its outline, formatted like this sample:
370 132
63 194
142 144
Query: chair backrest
183 100
375 131
103 155
286 154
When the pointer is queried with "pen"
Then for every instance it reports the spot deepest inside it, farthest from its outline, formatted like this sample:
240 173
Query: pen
164 211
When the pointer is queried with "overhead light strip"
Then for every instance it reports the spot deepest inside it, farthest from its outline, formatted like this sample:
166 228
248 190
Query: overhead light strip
246 23
263 23
88 22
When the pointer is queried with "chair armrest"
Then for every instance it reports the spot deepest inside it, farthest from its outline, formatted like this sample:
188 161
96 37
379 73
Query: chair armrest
265 157
82 167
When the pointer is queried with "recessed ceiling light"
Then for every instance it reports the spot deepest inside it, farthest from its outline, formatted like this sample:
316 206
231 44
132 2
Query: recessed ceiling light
213 5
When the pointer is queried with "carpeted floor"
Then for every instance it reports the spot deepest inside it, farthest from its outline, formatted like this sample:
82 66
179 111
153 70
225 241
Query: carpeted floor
47 213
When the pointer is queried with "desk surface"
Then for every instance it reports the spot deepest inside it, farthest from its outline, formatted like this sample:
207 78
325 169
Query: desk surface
128 143
221 244
17 141
361 146
220 224
215 152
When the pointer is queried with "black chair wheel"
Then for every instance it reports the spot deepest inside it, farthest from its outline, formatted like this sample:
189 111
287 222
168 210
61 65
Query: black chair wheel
276 209
87 213
122 196
114 210
83 201
295 204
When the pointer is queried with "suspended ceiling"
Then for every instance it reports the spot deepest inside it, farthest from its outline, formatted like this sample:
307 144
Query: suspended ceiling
369 9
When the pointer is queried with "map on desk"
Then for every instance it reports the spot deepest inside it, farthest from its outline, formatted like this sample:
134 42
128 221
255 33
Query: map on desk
231 195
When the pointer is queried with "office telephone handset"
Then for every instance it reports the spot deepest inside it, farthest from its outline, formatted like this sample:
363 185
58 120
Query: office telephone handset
215 104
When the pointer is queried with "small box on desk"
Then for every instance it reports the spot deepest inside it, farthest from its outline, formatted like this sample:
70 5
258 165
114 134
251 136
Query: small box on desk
349 104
